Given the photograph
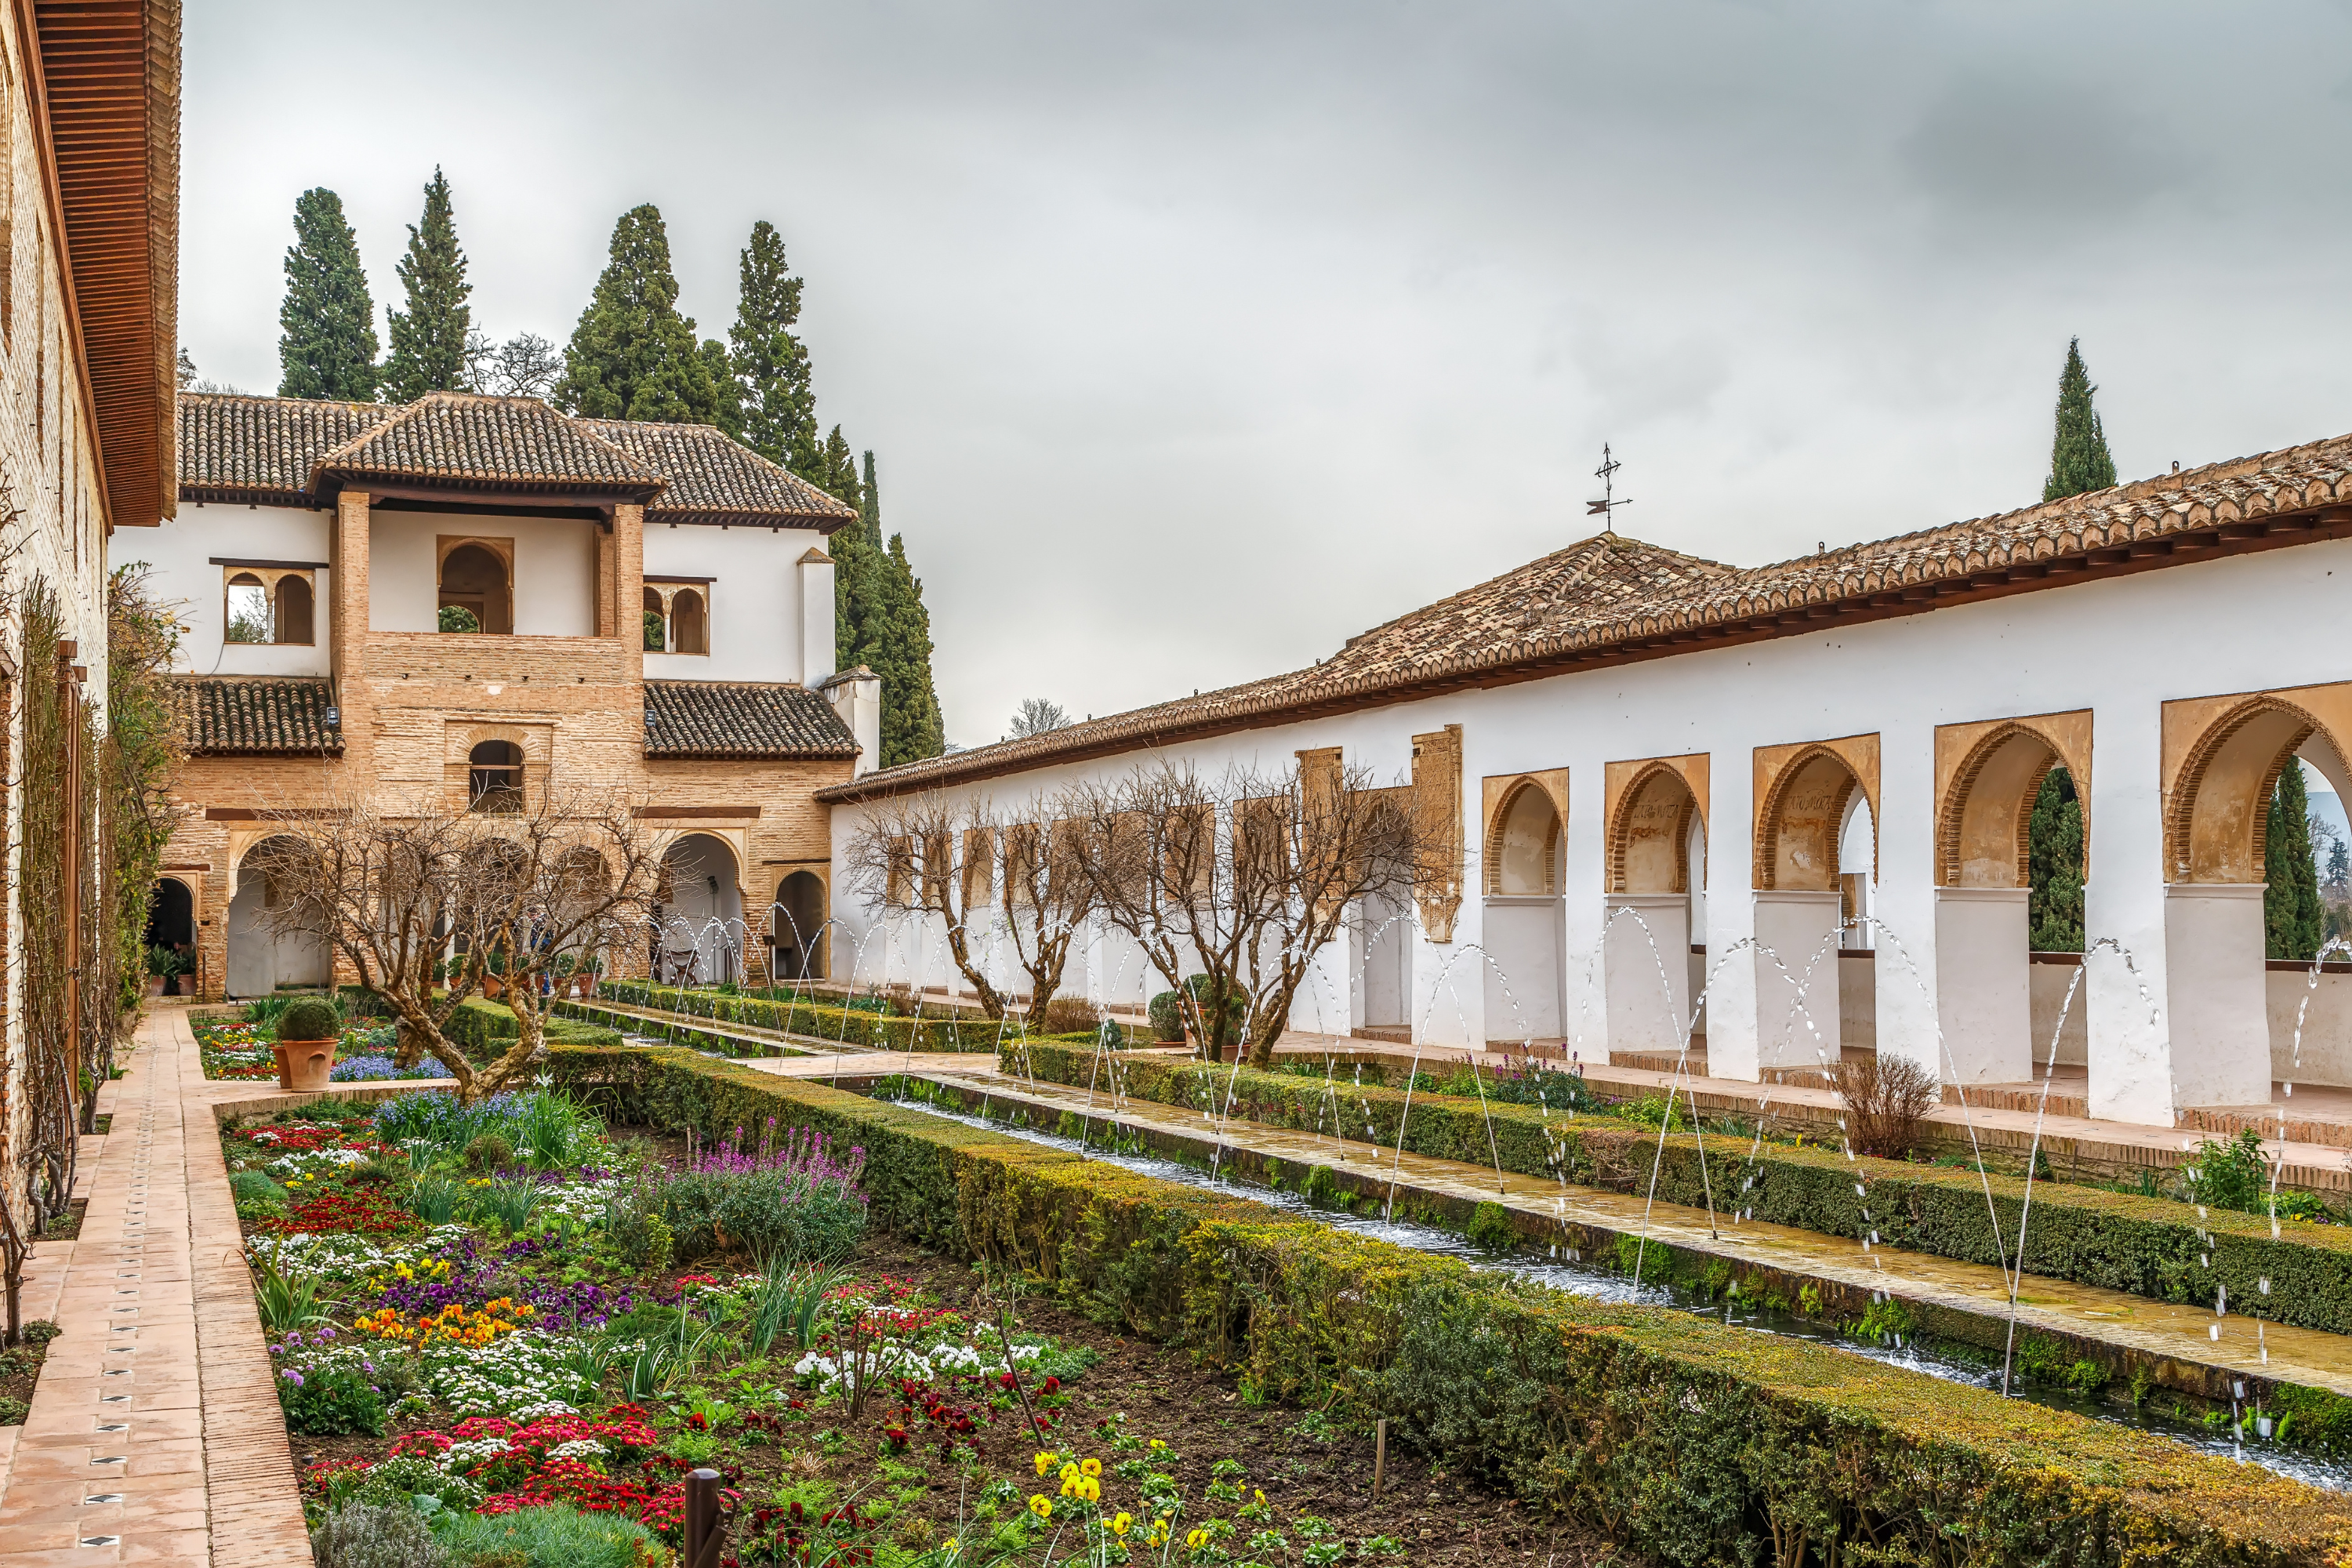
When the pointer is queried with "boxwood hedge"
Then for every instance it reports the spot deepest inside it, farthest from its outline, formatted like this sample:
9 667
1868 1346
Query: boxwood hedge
2150 1246
1692 1442
851 1025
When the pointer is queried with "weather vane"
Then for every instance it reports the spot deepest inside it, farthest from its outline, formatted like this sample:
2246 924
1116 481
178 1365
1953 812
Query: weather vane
1606 507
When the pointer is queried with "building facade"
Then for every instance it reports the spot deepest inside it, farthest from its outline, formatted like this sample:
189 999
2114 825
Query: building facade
1781 812
465 595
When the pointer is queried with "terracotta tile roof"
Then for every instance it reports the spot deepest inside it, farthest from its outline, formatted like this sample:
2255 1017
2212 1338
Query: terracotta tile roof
715 479
290 452
241 716
1611 598
234 448
728 719
460 440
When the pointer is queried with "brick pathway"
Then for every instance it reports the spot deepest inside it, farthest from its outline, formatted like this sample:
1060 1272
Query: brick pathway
154 1436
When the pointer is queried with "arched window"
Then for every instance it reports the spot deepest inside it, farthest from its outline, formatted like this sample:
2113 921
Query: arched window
294 609
474 579
249 620
690 626
494 776
656 623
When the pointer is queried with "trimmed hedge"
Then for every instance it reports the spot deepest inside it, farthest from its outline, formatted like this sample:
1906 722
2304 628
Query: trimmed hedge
1691 1442
850 1025
2148 1246
484 1029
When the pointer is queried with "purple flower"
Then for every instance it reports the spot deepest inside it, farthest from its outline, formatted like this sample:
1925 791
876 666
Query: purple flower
290 1376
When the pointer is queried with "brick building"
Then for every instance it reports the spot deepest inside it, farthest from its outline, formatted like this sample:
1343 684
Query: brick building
473 594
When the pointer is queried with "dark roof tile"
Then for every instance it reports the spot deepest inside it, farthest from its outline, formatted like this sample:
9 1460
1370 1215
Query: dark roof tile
235 716
715 479
488 443
730 719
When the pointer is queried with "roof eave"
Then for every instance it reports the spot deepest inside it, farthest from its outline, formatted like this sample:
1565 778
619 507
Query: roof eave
1667 637
709 517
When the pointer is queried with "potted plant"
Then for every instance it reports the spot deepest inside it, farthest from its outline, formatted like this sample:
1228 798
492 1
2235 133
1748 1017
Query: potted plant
584 977
1167 1015
308 1032
159 968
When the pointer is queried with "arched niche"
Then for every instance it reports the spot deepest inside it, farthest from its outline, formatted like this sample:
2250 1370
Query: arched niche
1523 844
2217 813
494 776
262 959
1801 821
1650 833
689 622
1988 776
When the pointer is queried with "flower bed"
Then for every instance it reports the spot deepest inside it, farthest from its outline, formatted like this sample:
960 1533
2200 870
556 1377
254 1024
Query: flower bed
240 1049
500 1312
1686 1439
2288 1271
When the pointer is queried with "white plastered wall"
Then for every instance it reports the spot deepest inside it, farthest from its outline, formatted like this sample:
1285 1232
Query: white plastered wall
554 570
756 602
182 552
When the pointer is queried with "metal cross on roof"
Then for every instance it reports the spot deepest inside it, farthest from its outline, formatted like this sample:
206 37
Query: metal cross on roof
1606 507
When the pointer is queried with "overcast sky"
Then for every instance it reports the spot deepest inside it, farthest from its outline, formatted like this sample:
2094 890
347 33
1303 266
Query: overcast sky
1193 338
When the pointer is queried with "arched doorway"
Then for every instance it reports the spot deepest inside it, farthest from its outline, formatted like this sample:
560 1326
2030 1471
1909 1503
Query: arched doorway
699 918
263 958
1656 867
1522 930
1802 826
796 927
172 935
1984 904
2216 832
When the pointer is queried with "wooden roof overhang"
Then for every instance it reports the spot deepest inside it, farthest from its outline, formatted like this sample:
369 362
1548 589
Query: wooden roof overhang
103 80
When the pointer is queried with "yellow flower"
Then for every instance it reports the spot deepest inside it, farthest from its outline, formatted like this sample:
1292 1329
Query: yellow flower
950 1547
1195 1538
1040 1507
1069 1471
1119 1526
1156 1444
1070 1486
1089 1489
1044 1463
1260 1495
1090 1466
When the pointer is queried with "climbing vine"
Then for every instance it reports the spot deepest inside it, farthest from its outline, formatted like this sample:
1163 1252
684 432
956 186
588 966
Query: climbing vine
49 882
142 758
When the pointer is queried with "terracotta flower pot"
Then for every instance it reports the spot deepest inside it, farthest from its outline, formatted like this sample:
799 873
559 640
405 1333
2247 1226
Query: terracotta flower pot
304 1065
493 986
155 986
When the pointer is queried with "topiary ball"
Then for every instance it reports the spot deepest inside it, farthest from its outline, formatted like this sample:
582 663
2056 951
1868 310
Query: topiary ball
310 1018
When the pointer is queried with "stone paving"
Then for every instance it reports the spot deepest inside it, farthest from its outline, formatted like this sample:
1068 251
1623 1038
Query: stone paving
154 1436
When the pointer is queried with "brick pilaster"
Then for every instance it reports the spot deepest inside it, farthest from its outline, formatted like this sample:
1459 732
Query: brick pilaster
348 560
629 588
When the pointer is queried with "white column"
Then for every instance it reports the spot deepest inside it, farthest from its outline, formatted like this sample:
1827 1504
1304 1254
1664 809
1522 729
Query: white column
2216 994
816 570
1733 1000
1796 997
1984 997
2124 901
857 696
1645 972
1904 899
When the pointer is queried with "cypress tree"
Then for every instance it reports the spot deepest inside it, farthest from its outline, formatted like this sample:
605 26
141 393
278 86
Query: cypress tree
632 355
2079 460
2294 921
770 362
912 726
859 613
326 328
2054 866
429 338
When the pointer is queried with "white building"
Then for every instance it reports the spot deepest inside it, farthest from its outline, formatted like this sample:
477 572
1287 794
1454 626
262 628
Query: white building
1672 773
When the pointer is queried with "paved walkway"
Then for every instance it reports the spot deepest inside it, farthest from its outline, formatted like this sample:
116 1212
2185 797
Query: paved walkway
154 1436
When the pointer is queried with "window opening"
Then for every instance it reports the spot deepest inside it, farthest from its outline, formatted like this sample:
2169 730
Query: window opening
656 623
494 776
474 582
690 626
269 605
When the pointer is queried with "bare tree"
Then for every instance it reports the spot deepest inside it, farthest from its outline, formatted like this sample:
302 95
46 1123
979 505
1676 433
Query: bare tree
1038 717
1242 881
422 902
525 365
986 874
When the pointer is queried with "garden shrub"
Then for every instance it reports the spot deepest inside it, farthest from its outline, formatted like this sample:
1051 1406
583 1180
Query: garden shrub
859 1023
2150 1246
254 1187
310 1018
552 1535
1692 1441
13 1411
1167 1014
537 1120
375 1535
330 1402
489 1152
1491 1229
